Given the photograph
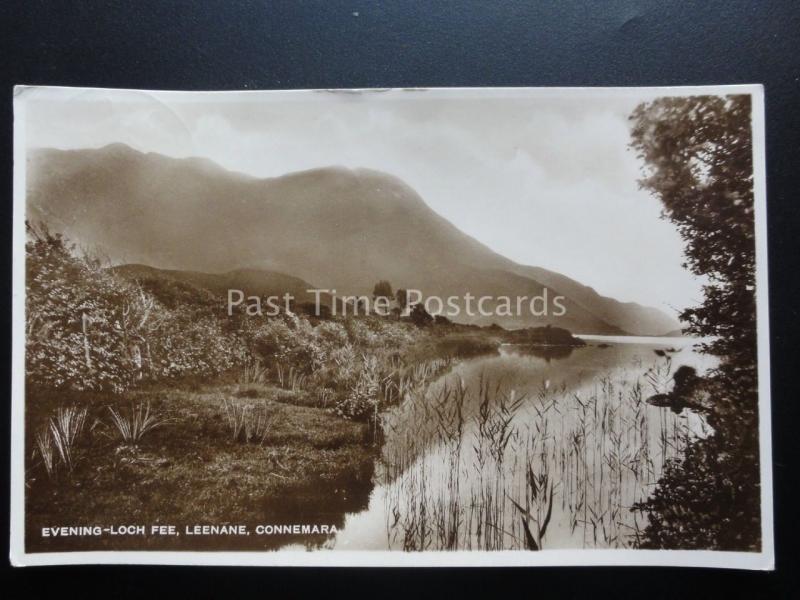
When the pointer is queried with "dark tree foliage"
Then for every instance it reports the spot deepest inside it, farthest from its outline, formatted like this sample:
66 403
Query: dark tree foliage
698 154
420 317
441 320
698 158
382 289
401 297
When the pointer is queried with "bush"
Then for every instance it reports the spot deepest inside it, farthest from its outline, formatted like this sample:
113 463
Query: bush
361 401
89 329
75 319
420 317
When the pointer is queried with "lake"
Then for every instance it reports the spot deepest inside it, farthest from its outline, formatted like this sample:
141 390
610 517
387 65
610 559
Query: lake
529 448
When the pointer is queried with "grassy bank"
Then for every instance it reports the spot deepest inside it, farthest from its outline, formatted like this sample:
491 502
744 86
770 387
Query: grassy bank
271 450
189 470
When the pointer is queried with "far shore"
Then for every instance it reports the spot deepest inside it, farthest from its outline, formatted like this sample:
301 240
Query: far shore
642 339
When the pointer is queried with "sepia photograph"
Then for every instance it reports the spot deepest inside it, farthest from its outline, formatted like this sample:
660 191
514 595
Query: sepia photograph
498 326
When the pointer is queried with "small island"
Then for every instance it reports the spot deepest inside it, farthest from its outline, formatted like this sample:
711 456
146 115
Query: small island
545 336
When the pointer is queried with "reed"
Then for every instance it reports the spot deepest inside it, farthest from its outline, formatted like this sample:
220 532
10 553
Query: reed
290 378
482 466
253 372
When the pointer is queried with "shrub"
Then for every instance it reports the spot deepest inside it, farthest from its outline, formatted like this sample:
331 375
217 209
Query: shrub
361 401
72 308
420 317
90 329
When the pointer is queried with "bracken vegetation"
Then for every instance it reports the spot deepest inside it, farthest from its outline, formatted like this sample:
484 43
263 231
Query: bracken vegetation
91 330
126 376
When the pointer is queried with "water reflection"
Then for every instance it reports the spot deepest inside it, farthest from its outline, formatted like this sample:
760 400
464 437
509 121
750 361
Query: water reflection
319 502
548 353
518 447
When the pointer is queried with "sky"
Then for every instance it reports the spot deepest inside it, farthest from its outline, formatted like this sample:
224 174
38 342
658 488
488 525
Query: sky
544 177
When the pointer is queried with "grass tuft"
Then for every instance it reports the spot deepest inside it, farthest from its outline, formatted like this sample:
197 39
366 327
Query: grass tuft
247 423
136 423
56 441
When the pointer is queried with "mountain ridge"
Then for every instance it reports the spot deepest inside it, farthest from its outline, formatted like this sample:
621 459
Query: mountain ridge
339 228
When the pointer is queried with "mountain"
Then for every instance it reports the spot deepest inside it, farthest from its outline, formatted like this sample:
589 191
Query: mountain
337 228
628 316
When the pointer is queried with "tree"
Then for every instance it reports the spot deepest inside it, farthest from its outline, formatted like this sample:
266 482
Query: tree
698 159
401 297
699 162
382 289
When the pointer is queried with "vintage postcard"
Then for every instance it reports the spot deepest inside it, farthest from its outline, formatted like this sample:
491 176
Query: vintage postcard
428 327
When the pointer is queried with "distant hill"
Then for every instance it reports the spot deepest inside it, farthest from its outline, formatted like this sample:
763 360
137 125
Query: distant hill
628 316
340 229
675 333
171 286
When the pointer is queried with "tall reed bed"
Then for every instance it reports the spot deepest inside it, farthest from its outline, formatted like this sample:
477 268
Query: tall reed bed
481 466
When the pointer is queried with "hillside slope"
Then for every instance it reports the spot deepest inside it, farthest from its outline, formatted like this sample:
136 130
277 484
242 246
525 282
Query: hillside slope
340 229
